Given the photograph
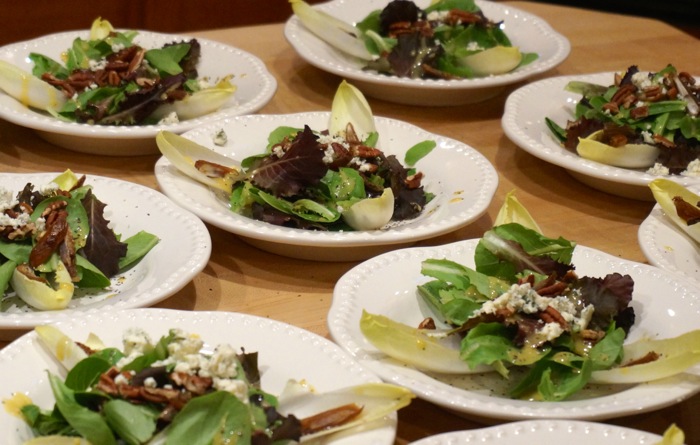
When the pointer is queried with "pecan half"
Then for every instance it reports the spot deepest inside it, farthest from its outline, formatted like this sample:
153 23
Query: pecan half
49 242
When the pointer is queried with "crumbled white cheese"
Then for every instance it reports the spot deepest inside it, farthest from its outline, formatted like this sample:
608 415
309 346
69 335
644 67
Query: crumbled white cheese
7 199
524 299
40 224
658 169
362 164
171 118
474 46
648 137
150 382
96 65
278 151
693 168
136 342
184 344
584 318
203 83
22 220
437 15
328 155
120 379
223 363
116 47
641 80
326 139
220 138
551 331
48 188
236 387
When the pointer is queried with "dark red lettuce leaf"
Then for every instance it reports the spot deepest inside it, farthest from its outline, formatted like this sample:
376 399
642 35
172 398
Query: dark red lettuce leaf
611 297
102 248
411 53
271 215
683 152
408 203
398 11
300 167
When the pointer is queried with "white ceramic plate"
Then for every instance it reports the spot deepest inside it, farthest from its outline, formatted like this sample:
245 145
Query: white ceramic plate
666 246
285 352
183 251
462 180
525 30
386 285
545 432
524 123
255 87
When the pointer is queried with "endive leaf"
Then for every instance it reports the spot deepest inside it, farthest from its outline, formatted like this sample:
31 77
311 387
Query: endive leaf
183 153
491 61
665 191
199 103
350 107
28 89
675 355
512 211
627 156
376 400
66 180
100 29
337 33
413 346
371 213
672 436
64 349
45 296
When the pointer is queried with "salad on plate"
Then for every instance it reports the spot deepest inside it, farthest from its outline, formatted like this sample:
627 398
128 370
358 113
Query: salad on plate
55 240
449 39
525 313
108 79
335 179
643 120
180 390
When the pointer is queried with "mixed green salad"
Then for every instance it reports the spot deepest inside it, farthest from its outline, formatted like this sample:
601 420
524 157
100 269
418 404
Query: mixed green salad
335 179
54 238
524 312
644 120
178 390
450 39
108 79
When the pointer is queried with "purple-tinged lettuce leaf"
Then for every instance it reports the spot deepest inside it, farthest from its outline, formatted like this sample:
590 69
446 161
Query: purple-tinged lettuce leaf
408 203
611 297
300 167
102 248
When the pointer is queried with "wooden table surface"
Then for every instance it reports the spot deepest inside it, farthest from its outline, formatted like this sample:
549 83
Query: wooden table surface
242 278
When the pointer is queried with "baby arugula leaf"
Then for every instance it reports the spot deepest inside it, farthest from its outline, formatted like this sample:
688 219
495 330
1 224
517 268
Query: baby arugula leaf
89 424
213 418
